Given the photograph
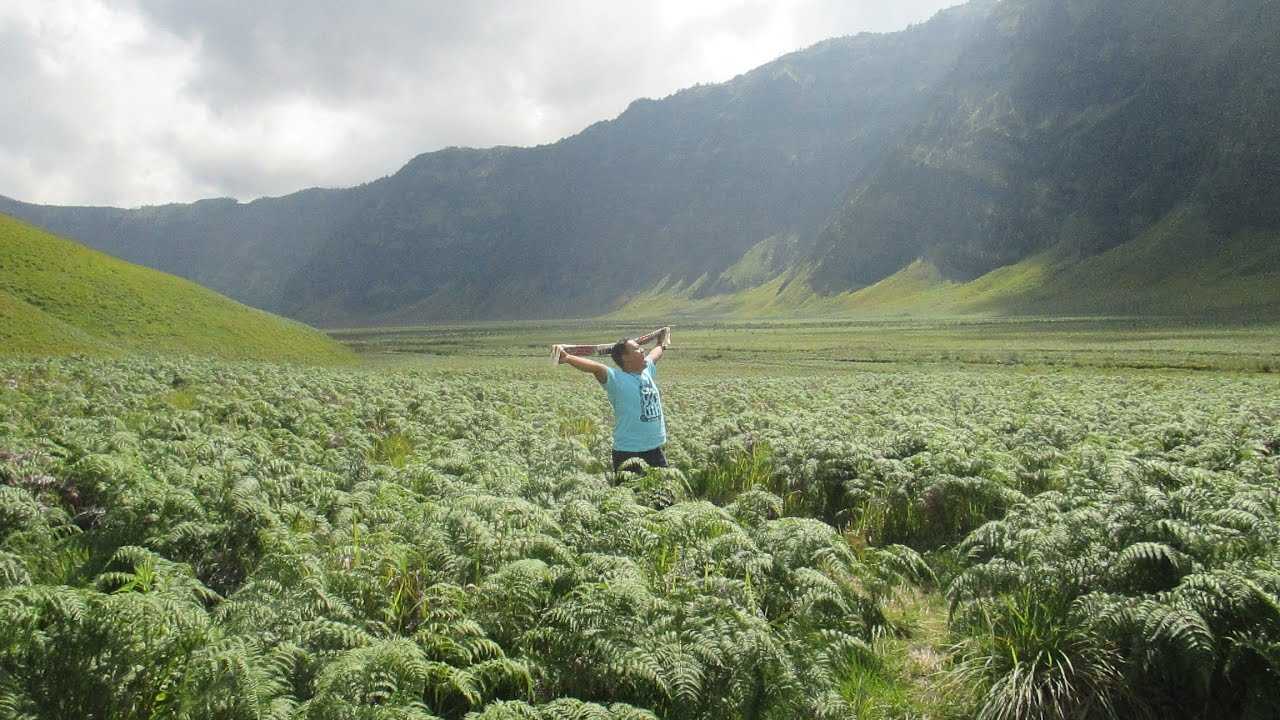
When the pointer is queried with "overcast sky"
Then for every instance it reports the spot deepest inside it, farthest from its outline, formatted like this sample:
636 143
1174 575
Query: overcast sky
133 102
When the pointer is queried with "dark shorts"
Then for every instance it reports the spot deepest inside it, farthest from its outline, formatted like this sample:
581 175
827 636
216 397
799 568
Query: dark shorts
653 458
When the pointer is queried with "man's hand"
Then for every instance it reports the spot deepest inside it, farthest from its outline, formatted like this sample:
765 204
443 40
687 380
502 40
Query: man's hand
664 339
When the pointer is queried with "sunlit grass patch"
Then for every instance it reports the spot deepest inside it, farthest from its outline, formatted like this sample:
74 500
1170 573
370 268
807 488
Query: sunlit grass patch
392 449
874 686
579 427
181 399
901 678
736 471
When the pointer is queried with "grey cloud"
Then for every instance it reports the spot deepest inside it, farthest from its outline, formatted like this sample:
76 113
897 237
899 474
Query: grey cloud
283 95
327 49
50 146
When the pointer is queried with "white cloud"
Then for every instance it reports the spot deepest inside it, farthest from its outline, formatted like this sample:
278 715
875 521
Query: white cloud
150 101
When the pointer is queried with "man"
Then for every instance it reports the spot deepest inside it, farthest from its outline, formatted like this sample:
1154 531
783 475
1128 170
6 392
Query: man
639 429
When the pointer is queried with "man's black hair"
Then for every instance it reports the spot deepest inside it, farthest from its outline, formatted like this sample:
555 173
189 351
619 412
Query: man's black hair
616 351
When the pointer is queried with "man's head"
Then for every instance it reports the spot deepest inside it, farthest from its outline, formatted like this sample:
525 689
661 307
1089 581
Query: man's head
628 355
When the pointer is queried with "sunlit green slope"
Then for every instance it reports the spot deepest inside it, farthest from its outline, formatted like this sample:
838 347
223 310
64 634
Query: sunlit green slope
57 297
1180 266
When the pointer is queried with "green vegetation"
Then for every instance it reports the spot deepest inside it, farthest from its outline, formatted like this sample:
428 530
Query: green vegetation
58 297
939 532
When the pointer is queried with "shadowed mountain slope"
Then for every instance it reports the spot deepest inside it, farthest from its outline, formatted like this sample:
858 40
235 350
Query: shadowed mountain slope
684 185
1075 122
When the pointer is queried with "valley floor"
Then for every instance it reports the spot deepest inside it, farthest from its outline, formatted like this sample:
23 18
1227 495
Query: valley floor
827 345
892 519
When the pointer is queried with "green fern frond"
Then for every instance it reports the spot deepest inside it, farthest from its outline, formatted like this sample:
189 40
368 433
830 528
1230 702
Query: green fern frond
1153 554
13 570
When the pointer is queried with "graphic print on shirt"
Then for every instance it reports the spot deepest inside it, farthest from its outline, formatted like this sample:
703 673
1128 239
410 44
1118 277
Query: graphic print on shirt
650 402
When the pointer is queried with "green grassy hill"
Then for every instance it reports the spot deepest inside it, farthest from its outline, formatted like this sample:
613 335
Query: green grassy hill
58 297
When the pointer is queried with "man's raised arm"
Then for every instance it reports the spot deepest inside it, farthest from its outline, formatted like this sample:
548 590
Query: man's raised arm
584 364
664 339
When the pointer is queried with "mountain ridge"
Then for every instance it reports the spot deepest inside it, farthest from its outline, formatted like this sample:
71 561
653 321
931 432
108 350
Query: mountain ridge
991 133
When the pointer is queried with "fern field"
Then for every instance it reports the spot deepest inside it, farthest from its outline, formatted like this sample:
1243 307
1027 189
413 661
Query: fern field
192 539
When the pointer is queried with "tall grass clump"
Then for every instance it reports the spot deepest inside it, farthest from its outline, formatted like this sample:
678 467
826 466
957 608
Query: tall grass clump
1144 589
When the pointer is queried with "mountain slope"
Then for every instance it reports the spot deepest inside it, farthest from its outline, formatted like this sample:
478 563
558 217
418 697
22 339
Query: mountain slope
998 136
680 186
1078 122
1180 266
57 297
245 250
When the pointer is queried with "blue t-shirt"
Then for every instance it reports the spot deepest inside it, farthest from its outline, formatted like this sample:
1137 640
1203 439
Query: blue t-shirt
638 424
